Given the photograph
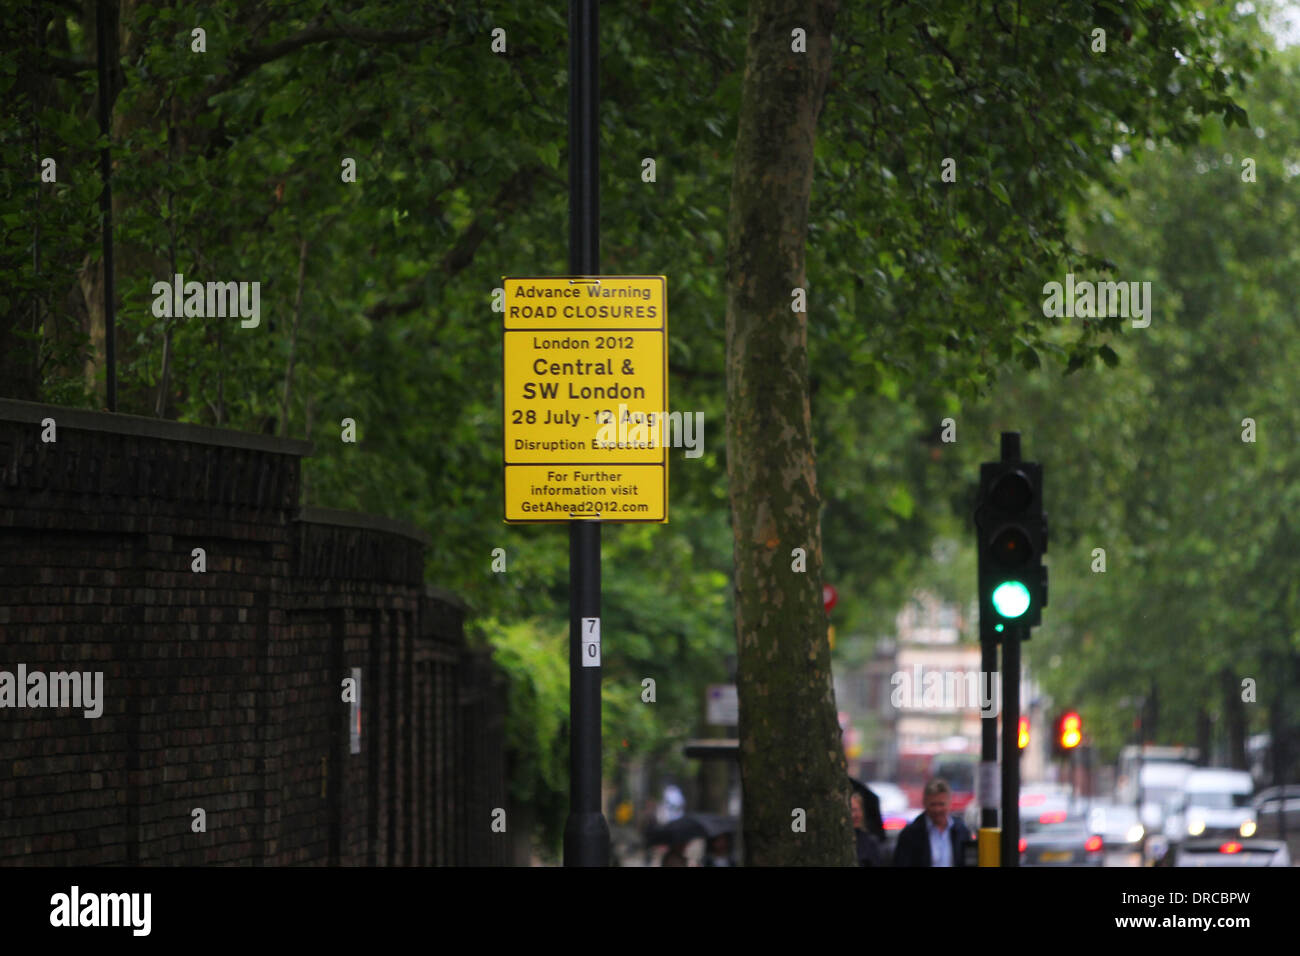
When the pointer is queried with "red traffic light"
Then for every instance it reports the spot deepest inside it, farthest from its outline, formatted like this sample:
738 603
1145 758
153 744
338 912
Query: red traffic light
830 597
1071 731
1022 735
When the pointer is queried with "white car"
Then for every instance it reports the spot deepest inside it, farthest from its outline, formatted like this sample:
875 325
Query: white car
1214 804
892 797
894 811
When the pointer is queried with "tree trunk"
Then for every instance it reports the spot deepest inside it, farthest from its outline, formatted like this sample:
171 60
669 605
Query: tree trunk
791 754
293 339
1204 735
1234 723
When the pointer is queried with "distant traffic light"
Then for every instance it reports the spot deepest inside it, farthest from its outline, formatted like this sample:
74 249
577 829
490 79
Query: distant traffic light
1022 737
1070 731
1011 536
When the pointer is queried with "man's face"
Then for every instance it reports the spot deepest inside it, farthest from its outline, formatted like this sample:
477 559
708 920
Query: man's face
936 808
859 818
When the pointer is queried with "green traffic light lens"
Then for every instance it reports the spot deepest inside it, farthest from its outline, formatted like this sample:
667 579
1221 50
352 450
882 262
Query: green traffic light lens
1011 599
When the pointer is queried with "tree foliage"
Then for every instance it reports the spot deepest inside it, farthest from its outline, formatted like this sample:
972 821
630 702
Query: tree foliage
376 294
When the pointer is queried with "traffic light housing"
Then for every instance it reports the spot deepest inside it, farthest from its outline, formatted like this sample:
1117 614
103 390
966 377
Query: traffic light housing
1067 733
1011 536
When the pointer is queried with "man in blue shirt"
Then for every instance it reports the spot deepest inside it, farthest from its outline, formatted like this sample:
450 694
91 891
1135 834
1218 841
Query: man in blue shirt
935 838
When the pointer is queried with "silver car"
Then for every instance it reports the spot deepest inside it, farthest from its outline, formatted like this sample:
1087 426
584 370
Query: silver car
1120 830
1055 838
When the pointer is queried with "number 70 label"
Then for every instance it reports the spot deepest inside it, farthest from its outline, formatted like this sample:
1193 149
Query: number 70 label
591 642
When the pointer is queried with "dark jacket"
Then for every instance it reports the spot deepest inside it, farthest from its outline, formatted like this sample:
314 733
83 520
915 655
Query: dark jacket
870 850
913 847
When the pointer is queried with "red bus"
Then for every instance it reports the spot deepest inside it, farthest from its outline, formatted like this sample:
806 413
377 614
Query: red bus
915 767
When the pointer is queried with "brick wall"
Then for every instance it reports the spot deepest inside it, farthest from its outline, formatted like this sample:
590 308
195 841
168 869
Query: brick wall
222 690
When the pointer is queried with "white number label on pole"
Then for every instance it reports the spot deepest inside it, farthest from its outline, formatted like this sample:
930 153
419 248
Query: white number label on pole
591 642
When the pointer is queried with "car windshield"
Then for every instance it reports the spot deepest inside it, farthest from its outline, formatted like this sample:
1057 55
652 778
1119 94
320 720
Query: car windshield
1061 828
959 772
1160 795
1274 805
1219 801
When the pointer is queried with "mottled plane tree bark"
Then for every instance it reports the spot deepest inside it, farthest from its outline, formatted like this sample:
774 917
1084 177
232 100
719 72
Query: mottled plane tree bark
791 755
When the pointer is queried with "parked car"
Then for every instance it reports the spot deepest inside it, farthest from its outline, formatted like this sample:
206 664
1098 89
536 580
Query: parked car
1233 853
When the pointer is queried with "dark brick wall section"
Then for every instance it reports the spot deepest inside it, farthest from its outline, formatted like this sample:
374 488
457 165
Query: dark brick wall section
222 690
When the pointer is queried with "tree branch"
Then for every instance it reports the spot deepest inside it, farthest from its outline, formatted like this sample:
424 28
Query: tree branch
514 192
63 66
922 29
250 60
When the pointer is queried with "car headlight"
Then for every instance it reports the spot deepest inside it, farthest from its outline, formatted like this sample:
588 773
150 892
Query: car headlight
1248 828
1196 827
1135 833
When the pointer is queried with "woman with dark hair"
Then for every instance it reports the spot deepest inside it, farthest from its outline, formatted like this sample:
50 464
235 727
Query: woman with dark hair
873 823
868 847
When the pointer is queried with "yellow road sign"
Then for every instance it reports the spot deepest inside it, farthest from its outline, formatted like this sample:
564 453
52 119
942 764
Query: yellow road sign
585 372
587 302
563 387
566 492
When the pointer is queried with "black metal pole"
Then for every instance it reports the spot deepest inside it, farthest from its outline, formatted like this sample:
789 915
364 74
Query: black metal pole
586 834
988 734
1010 750
1010 452
104 23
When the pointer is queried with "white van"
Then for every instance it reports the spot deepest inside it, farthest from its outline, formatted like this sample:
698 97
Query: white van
1161 784
1215 803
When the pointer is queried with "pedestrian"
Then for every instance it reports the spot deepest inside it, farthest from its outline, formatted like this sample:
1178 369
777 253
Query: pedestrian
870 851
675 856
719 851
873 823
934 838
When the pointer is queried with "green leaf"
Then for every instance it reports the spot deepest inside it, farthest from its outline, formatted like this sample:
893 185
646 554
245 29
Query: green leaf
901 502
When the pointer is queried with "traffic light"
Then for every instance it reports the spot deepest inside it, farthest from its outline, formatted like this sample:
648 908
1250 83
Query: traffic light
1022 735
1067 733
1011 535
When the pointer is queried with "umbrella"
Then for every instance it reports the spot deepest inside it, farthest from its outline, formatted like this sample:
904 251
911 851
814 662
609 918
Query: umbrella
689 827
